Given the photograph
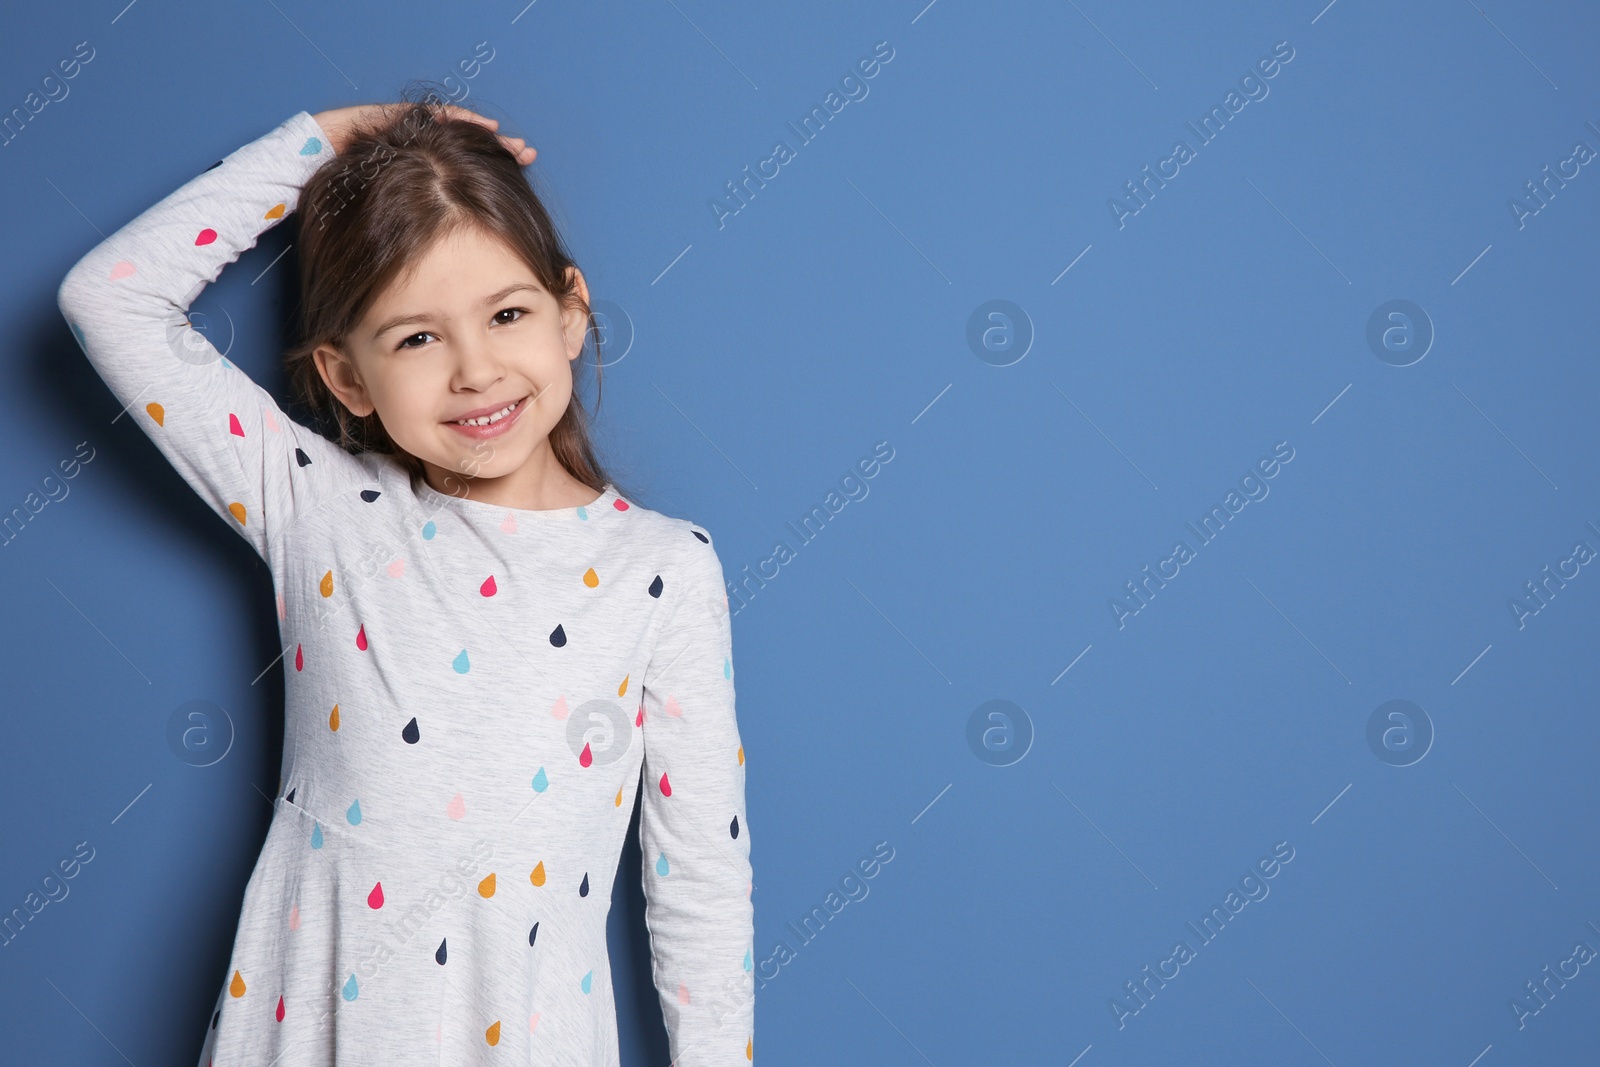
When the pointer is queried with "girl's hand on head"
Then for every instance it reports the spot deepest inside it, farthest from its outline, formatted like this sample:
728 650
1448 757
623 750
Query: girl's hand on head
340 124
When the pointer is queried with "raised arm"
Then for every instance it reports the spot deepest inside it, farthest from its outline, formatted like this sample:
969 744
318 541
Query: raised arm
127 301
693 833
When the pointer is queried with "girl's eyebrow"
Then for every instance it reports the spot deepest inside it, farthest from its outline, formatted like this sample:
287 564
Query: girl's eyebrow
433 316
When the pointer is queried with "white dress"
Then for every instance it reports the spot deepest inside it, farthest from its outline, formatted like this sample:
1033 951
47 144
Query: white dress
474 696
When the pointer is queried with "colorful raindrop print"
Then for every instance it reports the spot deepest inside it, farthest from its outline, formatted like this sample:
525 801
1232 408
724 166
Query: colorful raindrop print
488 588
590 578
353 813
375 898
461 663
558 636
537 877
440 955
486 887
656 587
662 867
541 781
666 786
361 637
351 989
333 718
411 735
236 987
583 889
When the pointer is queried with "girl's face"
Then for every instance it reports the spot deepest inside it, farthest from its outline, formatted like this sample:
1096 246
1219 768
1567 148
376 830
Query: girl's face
468 332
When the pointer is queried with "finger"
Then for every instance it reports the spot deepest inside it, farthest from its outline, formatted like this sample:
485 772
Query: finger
464 113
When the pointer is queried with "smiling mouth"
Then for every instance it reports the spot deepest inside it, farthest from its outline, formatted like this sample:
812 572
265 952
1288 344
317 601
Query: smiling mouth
487 420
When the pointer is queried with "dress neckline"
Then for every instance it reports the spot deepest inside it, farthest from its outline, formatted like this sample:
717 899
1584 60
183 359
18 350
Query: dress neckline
608 500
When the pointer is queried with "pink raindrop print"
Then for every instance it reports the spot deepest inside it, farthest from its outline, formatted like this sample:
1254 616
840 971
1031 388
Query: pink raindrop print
205 236
121 269
361 637
585 758
233 425
457 808
488 588
375 898
673 708
299 658
280 1007
666 786
559 709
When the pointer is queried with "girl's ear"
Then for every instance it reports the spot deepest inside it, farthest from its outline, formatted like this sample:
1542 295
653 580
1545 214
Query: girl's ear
339 375
574 321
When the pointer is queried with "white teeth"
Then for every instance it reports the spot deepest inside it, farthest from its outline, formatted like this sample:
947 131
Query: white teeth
487 419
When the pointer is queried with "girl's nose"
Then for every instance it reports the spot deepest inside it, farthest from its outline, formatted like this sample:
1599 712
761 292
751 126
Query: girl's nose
476 365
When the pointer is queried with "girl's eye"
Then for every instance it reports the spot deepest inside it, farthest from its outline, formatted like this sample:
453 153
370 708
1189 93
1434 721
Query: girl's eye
413 337
405 341
506 322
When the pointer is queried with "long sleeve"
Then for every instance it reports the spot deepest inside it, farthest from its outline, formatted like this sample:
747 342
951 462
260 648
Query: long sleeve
127 301
693 833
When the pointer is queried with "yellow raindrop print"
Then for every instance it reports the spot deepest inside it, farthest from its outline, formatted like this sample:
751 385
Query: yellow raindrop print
741 755
590 578
619 796
236 987
275 211
236 509
749 1049
333 718
492 1035
326 585
622 689
486 887
157 412
537 877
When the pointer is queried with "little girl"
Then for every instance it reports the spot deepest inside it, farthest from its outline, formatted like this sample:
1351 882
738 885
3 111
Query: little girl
487 645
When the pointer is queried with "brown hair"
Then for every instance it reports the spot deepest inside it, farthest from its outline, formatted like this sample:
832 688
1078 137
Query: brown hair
368 213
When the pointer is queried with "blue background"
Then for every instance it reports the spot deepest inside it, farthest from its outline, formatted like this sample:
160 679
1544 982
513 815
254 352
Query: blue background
830 313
